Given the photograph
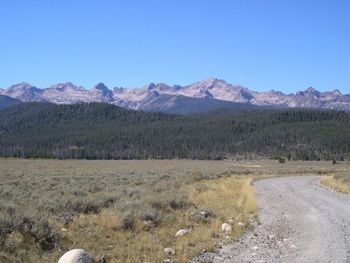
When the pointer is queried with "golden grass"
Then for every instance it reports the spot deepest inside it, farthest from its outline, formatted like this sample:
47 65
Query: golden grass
230 197
223 188
338 184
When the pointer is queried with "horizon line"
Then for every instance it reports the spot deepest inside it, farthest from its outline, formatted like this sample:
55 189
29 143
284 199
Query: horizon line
158 83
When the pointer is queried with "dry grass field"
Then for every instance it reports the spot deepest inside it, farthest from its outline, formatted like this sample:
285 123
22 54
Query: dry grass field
340 182
129 211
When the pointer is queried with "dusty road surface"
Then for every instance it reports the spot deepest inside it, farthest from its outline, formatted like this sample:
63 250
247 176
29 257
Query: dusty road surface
299 221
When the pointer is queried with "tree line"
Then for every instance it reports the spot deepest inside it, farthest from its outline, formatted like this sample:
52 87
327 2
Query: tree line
104 131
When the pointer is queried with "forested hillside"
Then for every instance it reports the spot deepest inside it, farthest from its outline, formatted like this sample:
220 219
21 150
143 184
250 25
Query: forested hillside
103 131
6 102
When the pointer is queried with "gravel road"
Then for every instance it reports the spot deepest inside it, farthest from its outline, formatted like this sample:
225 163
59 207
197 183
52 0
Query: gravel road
299 221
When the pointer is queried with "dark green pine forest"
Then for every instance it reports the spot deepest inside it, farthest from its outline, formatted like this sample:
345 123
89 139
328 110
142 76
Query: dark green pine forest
104 131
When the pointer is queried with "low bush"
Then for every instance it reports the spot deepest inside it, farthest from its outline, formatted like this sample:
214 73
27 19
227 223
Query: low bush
82 206
128 223
109 200
31 227
281 160
149 217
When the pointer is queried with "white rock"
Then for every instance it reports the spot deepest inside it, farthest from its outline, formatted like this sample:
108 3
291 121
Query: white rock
76 256
181 233
231 221
204 214
169 251
271 236
147 222
240 224
226 228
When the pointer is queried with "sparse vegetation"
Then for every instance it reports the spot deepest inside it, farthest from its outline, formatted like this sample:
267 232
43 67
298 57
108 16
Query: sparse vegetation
128 210
281 160
340 182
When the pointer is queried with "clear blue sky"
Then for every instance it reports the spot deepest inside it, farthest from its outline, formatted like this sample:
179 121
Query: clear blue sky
284 45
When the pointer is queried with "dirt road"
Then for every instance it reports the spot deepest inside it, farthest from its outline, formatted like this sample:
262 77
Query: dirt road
299 221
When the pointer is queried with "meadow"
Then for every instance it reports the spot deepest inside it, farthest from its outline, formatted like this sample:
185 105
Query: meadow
129 211
339 182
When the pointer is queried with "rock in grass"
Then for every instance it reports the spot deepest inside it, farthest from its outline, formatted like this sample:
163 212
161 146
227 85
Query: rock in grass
181 233
205 214
76 256
227 228
147 225
169 251
241 224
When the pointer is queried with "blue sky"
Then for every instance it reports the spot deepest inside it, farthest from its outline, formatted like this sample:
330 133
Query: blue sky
263 44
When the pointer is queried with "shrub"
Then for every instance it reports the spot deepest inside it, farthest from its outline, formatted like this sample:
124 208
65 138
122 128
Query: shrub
149 217
8 208
109 201
39 229
44 235
177 204
128 223
281 160
6 227
82 206
202 216
158 205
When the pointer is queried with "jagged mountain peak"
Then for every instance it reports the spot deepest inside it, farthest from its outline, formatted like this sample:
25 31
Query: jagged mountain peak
101 93
24 92
118 89
210 82
336 92
101 86
311 90
272 91
21 85
157 86
161 97
66 86
177 87
151 86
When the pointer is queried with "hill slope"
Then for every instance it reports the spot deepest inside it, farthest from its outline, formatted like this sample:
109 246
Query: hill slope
104 131
6 102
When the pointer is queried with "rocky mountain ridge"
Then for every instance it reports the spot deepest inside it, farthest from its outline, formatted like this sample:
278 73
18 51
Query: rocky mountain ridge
162 97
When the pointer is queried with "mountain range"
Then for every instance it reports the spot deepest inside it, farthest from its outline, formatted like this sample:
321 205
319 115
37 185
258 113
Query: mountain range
202 96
